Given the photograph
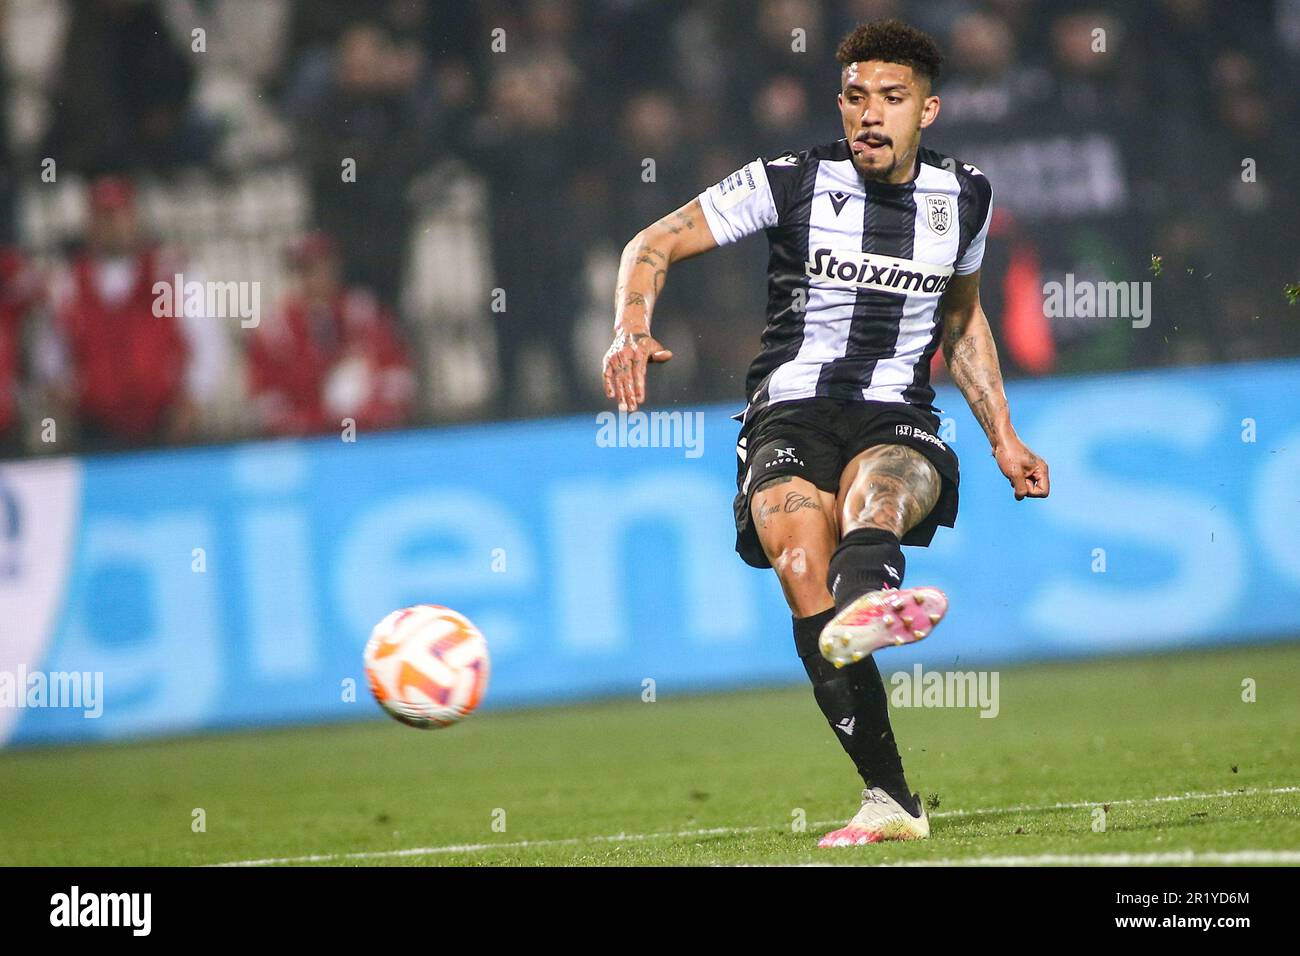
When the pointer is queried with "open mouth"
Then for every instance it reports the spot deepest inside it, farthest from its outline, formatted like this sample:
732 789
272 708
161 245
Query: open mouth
865 143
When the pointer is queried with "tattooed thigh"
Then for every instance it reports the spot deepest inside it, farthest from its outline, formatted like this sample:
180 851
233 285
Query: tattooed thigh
888 486
795 522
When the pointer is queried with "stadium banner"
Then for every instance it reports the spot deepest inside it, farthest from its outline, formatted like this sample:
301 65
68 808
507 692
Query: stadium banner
173 591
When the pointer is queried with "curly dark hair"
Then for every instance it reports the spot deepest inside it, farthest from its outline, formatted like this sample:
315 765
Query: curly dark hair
892 41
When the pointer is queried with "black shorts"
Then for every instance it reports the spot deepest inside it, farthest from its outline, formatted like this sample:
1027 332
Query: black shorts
815 438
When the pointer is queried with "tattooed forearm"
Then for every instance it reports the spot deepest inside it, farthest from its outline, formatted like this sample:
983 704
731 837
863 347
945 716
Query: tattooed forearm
963 350
983 406
643 267
636 288
972 360
641 275
678 222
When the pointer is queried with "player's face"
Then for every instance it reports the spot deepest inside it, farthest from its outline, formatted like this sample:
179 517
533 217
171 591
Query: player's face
884 107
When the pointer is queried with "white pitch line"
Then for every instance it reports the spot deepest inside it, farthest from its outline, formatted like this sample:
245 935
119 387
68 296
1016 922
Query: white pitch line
474 847
734 831
1172 798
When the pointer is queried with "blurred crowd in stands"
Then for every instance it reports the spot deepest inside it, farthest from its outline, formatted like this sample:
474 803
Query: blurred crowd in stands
1125 142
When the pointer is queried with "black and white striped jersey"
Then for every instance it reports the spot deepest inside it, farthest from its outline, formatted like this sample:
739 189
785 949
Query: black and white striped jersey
856 270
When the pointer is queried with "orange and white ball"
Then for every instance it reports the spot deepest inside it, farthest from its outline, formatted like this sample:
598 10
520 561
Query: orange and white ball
427 665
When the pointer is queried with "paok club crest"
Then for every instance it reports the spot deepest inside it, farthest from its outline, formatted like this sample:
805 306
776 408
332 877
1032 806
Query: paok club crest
939 214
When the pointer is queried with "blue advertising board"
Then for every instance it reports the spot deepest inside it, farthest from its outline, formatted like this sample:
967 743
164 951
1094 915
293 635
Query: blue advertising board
233 586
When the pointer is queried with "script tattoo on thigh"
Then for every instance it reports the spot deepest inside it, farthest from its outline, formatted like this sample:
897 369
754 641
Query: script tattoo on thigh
794 501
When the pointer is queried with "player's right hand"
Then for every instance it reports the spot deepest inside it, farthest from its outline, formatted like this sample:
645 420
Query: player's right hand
625 366
1025 470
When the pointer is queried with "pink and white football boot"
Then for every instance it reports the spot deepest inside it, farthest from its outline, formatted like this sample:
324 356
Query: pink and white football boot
881 818
881 619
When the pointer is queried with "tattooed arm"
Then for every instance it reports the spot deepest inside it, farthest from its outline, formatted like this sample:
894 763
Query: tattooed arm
641 274
972 359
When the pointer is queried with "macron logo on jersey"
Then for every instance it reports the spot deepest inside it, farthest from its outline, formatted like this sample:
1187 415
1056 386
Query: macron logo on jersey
865 270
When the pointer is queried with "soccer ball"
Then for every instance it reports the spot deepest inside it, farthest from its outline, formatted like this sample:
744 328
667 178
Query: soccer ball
427 666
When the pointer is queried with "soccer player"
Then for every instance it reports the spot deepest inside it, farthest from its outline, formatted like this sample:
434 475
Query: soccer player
876 245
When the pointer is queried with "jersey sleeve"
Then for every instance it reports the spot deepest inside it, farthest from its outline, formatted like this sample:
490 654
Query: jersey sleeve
740 205
974 255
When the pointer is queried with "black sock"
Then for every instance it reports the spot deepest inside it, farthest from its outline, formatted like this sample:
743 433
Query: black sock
855 704
867 559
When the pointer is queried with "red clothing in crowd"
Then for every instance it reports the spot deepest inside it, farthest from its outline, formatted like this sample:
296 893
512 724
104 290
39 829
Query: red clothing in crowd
128 364
19 291
313 367
8 368
9 319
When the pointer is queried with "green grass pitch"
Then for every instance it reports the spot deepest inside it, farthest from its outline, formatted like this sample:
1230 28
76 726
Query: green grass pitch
717 779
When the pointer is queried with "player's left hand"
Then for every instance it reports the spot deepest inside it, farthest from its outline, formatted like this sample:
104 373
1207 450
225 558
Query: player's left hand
1025 470
625 366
